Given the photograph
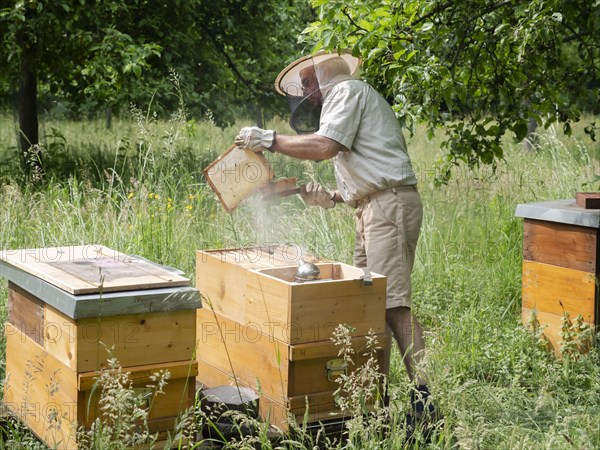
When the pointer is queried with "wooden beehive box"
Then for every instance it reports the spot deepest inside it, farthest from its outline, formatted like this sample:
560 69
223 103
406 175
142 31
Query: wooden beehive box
69 310
261 329
255 286
289 377
560 265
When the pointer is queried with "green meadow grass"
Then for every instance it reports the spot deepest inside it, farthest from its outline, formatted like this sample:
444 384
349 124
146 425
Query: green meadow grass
138 188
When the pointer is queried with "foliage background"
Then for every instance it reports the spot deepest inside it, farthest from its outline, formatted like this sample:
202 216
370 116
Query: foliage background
92 55
479 69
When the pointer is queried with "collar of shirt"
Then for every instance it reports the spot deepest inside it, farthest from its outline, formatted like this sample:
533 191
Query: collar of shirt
325 90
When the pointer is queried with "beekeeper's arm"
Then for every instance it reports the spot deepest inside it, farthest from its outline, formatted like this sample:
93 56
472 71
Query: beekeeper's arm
305 146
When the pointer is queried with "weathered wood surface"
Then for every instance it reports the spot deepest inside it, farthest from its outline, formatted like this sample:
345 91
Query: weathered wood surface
134 339
557 290
314 350
163 409
292 312
315 407
551 324
562 245
41 391
105 303
88 269
26 313
246 355
141 374
588 200
321 406
261 329
242 352
53 400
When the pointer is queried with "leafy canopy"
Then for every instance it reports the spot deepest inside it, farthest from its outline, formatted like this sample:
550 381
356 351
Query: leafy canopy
478 68
103 54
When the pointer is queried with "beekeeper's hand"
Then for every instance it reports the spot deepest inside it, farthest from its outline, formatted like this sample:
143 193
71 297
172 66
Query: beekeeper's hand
313 194
255 139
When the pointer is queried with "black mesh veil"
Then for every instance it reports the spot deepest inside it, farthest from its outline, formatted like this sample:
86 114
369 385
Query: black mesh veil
304 98
305 114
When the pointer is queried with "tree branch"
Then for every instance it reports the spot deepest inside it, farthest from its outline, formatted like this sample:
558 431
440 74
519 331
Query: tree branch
436 11
220 48
354 24
578 37
575 36
449 4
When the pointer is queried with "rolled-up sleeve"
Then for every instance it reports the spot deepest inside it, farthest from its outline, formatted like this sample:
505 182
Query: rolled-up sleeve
341 115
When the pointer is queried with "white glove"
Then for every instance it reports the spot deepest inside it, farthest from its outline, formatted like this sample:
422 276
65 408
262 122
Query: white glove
255 139
313 194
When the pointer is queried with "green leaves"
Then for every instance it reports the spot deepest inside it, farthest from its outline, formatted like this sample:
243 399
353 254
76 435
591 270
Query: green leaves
472 62
114 65
520 130
117 52
591 130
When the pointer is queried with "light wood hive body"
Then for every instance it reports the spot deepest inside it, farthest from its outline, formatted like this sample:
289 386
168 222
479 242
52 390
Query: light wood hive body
261 329
53 360
560 269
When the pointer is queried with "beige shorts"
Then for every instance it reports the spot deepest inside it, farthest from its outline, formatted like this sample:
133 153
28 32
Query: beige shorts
387 231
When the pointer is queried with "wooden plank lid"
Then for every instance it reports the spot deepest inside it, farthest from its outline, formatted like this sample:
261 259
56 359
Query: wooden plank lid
89 269
565 211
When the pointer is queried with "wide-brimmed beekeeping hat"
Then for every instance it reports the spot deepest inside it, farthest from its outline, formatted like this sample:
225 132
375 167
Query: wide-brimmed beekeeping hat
328 68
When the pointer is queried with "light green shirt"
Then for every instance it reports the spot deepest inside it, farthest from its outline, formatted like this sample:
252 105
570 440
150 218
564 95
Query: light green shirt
355 115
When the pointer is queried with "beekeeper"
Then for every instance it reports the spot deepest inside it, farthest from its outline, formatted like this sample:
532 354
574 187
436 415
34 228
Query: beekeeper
341 117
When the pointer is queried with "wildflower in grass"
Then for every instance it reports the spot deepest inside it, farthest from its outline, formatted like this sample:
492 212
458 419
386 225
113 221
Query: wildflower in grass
360 388
130 195
189 207
160 378
576 336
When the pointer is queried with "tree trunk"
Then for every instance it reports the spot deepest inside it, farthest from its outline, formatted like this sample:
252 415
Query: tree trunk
108 117
531 140
28 117
259 116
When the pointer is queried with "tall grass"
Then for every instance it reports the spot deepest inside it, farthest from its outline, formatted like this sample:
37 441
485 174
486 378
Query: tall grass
139 188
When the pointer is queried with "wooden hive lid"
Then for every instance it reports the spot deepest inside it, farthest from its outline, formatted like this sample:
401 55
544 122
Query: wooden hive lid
266 256
91 269
565 211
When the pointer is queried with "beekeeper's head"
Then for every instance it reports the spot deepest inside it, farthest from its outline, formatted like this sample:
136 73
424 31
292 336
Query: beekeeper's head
317 80
308 80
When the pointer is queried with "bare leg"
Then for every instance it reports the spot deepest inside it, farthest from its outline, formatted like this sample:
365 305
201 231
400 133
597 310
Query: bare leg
409 335
387 352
